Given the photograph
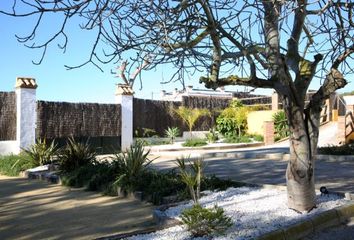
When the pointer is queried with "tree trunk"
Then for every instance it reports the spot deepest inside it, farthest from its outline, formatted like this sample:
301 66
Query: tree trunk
300 170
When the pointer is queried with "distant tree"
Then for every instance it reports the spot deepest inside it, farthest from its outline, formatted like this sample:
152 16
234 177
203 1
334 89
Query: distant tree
276 44
190 116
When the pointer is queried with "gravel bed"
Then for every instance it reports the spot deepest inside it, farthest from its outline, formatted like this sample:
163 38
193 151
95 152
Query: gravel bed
254 211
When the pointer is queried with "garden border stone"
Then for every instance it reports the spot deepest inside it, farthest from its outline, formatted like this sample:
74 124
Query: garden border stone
330 218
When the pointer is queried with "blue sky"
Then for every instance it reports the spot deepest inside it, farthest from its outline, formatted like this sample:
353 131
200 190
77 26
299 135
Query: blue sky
86 84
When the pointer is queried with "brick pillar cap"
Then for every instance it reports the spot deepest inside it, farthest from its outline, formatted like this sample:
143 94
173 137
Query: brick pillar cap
26 82
124 89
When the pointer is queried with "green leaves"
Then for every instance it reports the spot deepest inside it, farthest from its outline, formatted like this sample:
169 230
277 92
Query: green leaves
191 175
233 120
41 153
172 133
75 154
280 125
191 115
206 222
131 164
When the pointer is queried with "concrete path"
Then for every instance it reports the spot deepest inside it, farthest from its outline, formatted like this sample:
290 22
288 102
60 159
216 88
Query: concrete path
343 232
37 210
336 174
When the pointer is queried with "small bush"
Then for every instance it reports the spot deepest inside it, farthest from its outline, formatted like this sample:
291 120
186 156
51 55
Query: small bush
233 119
131 164
152 141
41 153
237 139
75 155
194 142
145 132
258 138
212 135
157 185
12 165
97 176
214 183
346 149
172 133
281 127
206 222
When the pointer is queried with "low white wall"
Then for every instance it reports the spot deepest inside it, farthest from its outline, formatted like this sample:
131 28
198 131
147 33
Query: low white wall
195 134
8 147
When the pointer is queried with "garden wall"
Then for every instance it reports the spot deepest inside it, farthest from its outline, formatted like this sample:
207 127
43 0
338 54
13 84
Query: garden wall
100 124
158 115
8 116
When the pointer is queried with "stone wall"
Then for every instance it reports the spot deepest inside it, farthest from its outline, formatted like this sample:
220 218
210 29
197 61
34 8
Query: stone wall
8 116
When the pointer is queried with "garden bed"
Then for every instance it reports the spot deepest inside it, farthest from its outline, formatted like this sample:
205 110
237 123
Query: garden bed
254 212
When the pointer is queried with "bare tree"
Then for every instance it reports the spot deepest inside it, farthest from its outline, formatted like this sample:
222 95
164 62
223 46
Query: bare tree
276 44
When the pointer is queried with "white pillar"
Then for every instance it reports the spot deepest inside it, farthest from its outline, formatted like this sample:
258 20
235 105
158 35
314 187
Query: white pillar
124 97
26 112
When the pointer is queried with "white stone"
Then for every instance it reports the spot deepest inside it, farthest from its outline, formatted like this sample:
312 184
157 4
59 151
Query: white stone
26 117
126 102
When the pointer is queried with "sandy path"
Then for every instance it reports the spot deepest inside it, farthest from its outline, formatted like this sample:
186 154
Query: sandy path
37 210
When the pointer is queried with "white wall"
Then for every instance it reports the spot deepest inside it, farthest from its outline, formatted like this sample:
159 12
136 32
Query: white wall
126 103
9 147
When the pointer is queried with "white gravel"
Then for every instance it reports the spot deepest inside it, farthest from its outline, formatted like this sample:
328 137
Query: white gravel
254 211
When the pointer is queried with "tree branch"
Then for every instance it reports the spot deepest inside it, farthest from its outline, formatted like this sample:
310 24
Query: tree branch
236 80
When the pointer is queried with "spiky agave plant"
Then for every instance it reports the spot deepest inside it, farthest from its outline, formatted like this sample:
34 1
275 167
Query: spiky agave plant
41 153
76 154
172 133
131 164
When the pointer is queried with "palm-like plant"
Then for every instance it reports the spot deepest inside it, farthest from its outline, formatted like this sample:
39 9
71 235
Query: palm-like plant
131 164
191 115
41 153
172 133
76 154
191 175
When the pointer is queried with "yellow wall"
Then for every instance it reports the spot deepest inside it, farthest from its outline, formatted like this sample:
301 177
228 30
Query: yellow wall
255 120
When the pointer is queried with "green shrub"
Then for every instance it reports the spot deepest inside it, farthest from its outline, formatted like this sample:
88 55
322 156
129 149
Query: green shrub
145 132
346 149
152 141
238 139
157 185
233 120
258 138
172 133
281 127
41 153
206 222
75 155
214 183
131 164
12 165
212 135
194 142
97 176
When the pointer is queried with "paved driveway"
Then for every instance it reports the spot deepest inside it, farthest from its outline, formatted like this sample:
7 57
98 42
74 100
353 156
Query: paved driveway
336 174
